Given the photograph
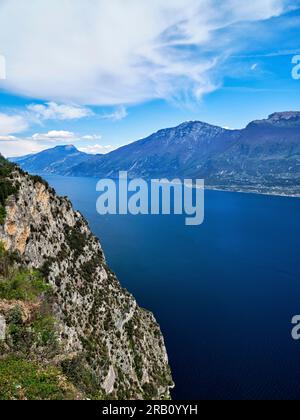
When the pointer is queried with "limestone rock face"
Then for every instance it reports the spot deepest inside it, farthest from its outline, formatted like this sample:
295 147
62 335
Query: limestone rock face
122 343
2 328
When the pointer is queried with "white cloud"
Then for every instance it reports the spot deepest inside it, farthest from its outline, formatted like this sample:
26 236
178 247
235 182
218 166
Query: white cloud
11 146
119 114
98 149
19 147
53 111
8 138
120 52
93 137
12 124
61 136
54 136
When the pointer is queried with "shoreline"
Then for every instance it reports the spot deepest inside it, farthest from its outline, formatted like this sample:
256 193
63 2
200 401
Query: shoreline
206 187
271 194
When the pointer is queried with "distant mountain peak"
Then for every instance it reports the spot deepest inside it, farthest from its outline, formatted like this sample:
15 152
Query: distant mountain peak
288 119
52 160
198 124
67 148
289 115
262 157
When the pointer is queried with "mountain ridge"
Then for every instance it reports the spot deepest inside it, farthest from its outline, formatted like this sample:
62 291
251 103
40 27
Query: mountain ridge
263 157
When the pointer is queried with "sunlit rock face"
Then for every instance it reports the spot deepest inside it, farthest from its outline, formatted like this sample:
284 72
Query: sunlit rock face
121 343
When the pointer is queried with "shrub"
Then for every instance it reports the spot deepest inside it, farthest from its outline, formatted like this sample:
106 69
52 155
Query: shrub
25 285
75 239
25 380
2 214
78 372
45 331
7 188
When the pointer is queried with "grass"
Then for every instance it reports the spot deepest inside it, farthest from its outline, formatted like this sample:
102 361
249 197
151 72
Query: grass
25 380
19 283
24 285
44 329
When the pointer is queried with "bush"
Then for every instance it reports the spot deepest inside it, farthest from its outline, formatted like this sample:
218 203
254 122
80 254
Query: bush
78 372
75 239
7 188
21 338
25 380
25 285
7 260
44 328
2 214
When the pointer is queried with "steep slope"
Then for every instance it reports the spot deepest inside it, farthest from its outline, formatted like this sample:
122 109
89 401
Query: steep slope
266 157
263 157
172 152
57 160
101 329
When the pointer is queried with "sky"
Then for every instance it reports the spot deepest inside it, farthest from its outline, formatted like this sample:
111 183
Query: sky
101 74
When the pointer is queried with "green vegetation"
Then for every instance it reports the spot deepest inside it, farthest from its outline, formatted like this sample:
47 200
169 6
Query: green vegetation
78 372
75 239
28 355
19 283
25 285
36 338
26 368
44 328
39 180
7 188
26 380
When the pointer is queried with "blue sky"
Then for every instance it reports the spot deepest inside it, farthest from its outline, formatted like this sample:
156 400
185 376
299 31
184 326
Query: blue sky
100 76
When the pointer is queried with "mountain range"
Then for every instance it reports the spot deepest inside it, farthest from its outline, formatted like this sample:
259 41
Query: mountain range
263 157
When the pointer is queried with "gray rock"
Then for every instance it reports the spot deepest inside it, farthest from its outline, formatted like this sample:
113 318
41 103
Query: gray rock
2 328
122 343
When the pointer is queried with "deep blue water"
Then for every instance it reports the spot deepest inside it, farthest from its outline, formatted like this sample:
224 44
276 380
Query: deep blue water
224 293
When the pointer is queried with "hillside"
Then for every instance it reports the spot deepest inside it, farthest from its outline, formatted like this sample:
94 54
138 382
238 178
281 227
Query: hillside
264 157
67 328
57 160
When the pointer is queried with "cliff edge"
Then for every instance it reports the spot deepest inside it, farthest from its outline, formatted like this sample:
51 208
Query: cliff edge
99 326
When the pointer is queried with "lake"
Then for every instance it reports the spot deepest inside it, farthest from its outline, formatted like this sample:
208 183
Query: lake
224 292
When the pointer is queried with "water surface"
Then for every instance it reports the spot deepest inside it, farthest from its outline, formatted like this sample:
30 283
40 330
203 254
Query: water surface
224 293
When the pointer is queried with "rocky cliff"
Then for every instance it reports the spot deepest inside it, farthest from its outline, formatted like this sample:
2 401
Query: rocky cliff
100 325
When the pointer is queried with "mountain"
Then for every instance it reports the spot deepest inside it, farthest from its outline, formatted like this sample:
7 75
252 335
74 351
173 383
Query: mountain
56 160
68 330
20 158
264 157
167 153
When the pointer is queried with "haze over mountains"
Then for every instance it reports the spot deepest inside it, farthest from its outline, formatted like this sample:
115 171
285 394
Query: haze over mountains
263 157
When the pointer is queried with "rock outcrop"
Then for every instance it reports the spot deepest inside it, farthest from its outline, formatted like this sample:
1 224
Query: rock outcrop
99 322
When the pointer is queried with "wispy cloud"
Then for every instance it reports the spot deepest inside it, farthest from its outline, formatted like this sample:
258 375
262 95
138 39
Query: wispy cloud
63 136
54 111
12 124
55 136
11 146
116 52
98 149
23 119
119 114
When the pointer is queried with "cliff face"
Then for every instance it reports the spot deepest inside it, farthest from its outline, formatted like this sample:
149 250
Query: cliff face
99 322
